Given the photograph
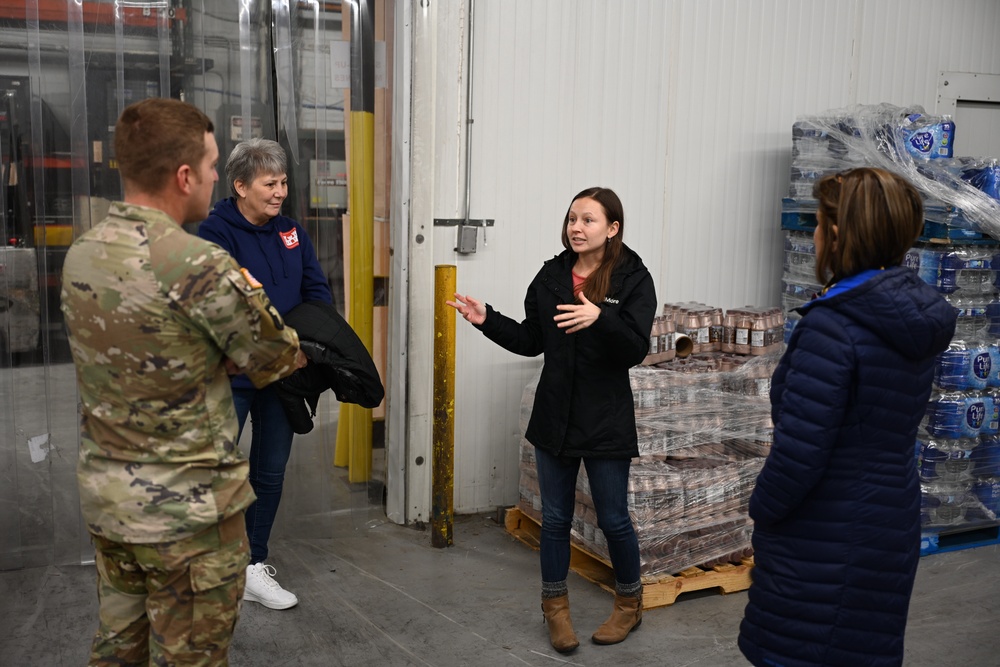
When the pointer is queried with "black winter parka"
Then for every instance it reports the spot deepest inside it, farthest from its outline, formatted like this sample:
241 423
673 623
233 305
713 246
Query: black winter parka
583 403
338 360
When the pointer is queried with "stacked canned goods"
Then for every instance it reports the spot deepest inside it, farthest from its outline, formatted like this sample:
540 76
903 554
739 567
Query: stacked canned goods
702 332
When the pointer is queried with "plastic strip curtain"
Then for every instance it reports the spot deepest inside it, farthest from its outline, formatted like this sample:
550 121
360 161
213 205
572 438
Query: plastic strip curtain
78 130
285 75
119 56
37 131
17 538
163 39
247 56
80 182
320 83
200 35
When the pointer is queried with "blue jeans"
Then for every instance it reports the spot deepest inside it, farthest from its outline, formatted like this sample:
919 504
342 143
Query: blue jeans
270 447
609 490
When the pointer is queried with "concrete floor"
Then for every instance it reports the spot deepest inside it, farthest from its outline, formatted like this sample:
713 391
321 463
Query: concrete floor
374 593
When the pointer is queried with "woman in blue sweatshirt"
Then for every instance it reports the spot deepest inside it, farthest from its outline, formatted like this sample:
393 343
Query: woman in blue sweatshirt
278 253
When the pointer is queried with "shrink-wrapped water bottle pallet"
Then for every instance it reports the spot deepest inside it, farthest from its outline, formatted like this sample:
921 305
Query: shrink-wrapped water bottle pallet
793 219
971 537
659 591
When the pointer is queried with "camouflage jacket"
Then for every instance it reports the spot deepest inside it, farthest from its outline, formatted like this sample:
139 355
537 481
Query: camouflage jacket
152 312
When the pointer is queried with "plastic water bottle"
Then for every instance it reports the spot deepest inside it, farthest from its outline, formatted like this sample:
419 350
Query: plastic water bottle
965 365
946 460
945 415
991 419
975 414
972 314
929 265
980 365
801 256
944 504
993 319
986 457
994 349
987 492
967 270
952 370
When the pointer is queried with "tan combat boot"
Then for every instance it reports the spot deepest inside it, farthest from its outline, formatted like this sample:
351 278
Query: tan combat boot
556 611
625 617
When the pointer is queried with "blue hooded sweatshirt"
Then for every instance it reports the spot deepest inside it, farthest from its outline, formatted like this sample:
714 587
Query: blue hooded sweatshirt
279 254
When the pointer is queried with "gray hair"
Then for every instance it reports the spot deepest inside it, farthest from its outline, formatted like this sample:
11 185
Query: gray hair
252 158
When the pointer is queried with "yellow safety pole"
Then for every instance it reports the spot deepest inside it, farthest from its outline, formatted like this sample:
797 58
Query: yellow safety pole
354 429
443 478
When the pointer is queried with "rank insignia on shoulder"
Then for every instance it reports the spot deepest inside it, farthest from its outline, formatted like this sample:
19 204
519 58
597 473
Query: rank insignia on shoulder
250 279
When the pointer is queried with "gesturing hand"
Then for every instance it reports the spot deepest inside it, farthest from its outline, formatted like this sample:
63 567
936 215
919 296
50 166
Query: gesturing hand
576 317
473 311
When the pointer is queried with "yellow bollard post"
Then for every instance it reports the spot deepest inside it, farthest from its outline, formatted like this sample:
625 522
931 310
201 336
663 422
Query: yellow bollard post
362 200
354 430
443 477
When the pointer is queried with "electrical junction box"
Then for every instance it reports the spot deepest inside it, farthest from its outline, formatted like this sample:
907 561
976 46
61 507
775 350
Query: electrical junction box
467 239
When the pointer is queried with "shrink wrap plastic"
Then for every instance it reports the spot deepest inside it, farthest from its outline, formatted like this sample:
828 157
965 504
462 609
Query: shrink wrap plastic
703 438
906 140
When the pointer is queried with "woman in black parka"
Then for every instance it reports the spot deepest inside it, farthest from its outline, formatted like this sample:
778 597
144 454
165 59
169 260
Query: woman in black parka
836 507
589 311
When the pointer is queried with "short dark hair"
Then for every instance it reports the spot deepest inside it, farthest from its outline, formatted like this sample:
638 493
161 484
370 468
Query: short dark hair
879 216
155 137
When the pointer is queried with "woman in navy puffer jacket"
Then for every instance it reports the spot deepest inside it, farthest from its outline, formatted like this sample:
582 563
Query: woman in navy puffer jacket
836 506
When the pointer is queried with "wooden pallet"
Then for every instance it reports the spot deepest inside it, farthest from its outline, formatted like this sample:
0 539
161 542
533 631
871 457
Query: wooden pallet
658 591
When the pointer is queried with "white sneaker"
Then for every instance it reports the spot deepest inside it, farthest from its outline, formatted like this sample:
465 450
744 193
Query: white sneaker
261 587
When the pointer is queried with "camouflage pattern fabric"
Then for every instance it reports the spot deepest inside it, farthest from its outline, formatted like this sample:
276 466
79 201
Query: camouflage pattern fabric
152 312
171 604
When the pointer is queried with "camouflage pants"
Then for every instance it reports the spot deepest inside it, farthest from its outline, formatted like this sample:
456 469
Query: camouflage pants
173 603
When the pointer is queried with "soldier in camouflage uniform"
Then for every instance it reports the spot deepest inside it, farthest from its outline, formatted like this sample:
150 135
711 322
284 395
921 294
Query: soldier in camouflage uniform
157 320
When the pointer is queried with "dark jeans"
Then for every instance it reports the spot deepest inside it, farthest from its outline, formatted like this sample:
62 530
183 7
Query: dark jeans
270 447
609 489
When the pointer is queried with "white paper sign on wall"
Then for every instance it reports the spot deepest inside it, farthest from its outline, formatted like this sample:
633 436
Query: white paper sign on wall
340 65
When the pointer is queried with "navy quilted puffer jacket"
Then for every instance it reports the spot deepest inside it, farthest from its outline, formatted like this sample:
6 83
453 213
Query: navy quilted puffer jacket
836 506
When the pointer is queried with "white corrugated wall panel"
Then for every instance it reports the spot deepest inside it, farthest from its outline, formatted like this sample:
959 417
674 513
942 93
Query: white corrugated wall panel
745 70
555 111
904 45
685 108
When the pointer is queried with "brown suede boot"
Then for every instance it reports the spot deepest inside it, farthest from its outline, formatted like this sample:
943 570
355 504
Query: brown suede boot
556 611
625 617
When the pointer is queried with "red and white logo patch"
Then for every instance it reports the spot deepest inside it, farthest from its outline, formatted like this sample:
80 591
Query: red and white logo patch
291 238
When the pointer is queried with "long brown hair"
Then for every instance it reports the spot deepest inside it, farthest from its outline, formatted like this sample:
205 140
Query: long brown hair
879 216
597 283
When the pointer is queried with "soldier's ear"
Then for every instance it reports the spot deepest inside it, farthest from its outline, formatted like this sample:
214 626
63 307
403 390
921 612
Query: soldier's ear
184 177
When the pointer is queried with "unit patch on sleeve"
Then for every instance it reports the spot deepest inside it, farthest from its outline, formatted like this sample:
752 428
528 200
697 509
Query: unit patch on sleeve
254 283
